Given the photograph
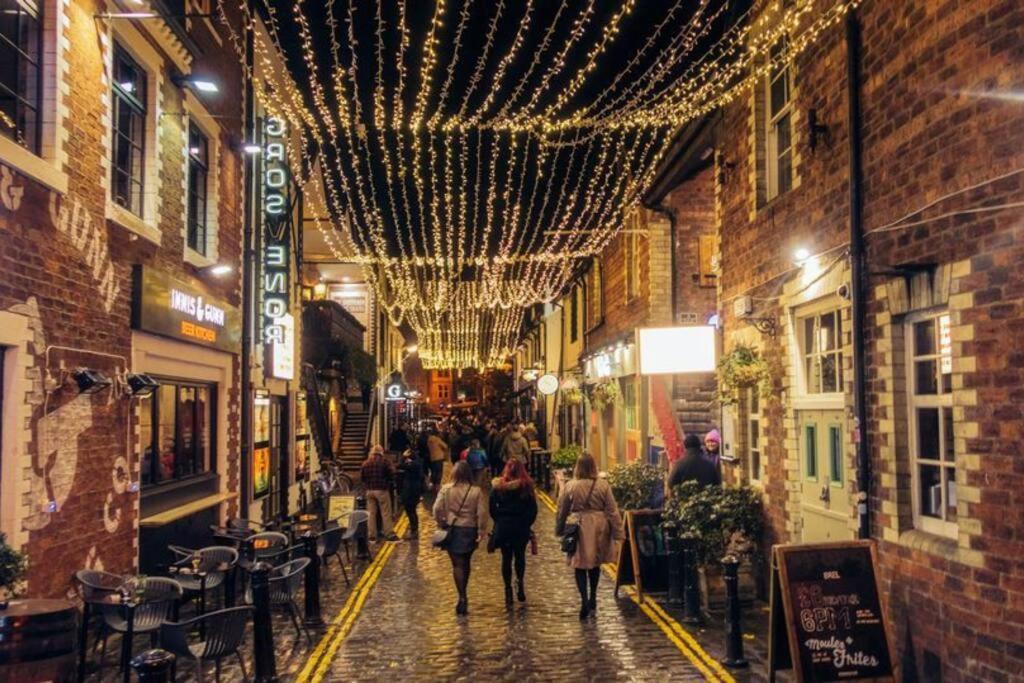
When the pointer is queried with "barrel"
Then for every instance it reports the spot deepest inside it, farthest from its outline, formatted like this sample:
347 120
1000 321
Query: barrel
38 639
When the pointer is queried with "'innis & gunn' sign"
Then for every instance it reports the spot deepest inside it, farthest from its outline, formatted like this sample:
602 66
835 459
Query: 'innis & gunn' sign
171 307
277 327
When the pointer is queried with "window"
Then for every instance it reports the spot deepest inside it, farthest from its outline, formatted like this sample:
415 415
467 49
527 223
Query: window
754 433
629 403
822 352
778 121
198 165
811 451
21 52
129 132
574 314
176 432
929 378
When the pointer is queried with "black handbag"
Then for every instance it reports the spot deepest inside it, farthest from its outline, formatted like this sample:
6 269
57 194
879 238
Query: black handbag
571 532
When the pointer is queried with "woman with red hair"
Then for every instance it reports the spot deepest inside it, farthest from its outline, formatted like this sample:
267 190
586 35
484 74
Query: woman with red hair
513 508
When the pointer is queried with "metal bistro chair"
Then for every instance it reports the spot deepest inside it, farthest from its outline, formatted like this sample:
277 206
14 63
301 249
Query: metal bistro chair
215 562
355 519
224 632
154 604
328 545
284 586
95 586
269 546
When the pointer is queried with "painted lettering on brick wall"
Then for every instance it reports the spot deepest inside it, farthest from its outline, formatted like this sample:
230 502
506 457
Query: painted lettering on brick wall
89 238
11 191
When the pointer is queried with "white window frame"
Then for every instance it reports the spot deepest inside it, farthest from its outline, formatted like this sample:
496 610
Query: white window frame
135 44
932 525
47 167
771 123
752 417
198 115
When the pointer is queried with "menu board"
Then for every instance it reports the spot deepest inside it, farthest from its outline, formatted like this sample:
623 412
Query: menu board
261 471
827 619
643 556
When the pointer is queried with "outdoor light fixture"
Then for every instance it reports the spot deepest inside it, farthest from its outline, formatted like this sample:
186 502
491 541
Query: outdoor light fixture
91 381
197 83
141 384
801 256
251 148
412 348
216 270
127 15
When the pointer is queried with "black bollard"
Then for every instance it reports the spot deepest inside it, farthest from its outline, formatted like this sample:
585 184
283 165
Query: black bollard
312 587
675 558
362 547
733 630
691 589
262 626
154 666
546 464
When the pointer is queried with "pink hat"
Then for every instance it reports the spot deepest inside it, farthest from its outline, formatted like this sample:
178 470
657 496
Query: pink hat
713 435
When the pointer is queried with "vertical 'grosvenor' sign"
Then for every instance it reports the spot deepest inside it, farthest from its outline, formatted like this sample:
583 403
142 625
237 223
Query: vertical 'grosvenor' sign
277 333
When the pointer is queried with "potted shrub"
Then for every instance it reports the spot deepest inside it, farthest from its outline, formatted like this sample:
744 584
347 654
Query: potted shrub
562 462
725 521
637 485
12 571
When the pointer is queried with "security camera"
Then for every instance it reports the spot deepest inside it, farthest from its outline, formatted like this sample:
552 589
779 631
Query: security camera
843 291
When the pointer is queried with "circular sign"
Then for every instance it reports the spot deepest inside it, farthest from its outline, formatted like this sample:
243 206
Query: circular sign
547 384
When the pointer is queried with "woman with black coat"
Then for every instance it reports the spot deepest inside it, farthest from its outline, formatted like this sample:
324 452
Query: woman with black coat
513 508
411 469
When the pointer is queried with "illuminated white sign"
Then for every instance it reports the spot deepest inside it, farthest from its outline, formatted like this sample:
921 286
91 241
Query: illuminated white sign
393 392
278 325
195 307
603 365
282 352
547 384
673 350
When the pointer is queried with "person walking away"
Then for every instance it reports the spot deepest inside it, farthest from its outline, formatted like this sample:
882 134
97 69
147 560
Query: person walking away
398 439
365 392
589 500
438 451
713 448
377 477
693 466
411 491
461 509
516 447
477 459
513 509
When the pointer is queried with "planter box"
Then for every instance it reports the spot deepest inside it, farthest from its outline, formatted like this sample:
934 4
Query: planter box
712 586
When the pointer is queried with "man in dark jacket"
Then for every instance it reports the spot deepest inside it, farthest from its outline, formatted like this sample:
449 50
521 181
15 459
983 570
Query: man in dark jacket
411 469
693 467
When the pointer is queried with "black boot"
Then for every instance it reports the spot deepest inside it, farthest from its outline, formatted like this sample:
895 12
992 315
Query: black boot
462 608
508 596
584 610
520 591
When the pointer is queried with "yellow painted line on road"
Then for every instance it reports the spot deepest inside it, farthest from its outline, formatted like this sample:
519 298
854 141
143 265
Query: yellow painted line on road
679 636
318 661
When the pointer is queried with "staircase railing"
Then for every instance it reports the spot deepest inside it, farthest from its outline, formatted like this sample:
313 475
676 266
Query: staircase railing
317 413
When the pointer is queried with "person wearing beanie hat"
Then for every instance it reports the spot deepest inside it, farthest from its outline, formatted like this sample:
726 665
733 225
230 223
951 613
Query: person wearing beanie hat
713 447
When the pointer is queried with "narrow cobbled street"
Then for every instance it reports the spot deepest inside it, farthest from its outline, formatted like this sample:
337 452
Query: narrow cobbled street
407 629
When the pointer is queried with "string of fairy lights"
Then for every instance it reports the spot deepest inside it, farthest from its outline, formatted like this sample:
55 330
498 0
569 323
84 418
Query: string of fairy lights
472 167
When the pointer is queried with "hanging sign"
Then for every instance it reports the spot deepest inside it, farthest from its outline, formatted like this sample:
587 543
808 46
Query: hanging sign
547 384
278 326
167 306
394 392
827 621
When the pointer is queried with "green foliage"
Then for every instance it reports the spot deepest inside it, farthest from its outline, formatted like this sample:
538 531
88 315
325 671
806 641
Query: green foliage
634 483
12 568
741 368
722 518
572 397
565 457
605 393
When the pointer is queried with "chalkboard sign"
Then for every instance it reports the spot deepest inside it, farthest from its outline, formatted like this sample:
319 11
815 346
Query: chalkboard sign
827 618
643 557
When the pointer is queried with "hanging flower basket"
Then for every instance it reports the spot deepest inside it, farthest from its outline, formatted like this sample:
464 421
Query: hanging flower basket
572 397
605 393
741 368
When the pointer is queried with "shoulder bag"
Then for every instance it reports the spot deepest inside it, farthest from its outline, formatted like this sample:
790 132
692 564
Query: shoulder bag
440 537
571 535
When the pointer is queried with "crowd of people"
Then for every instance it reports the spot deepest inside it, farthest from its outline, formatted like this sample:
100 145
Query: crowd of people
474 469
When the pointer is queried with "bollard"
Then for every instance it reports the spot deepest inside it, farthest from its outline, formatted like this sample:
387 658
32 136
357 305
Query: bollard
675 557
312 587
546 464
733 630
362 547
262 626
154 666
691 590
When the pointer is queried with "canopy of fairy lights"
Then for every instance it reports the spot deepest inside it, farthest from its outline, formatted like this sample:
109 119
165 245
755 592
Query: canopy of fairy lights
472 155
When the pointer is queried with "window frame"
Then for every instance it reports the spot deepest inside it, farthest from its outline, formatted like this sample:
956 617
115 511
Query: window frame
754 417
39 61
209 468
198 219
804 354
771 123
941 401
138 107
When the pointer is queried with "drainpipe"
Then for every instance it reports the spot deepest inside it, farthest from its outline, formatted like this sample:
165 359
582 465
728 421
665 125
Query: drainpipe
858 273
248 259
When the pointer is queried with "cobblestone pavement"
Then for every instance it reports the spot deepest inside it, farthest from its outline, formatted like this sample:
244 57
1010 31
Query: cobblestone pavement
408 630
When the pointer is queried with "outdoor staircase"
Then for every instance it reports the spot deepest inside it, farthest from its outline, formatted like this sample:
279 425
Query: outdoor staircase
353 436
694 403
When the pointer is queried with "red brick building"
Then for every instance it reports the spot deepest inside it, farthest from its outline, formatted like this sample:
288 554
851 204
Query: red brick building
942 184
120 188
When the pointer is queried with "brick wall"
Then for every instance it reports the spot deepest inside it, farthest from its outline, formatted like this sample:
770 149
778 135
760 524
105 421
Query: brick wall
66 269
938 117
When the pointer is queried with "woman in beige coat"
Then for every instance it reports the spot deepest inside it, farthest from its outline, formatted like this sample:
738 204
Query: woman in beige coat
588 501
461 508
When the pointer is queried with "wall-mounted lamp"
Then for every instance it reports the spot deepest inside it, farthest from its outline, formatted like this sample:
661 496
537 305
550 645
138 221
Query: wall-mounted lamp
216 270
140 384
725 169
801 256
815 129
91 381
412 348
197 83
251 148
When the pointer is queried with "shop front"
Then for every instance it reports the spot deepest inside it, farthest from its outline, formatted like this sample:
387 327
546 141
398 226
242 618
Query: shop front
615 392
186 340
